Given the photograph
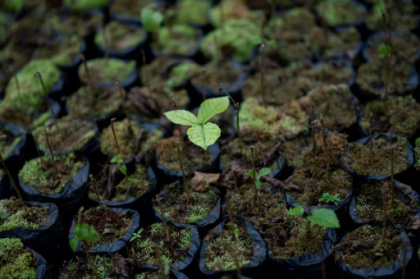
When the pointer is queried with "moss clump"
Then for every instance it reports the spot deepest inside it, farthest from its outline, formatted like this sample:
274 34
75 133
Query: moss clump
372 79
129 8
180 39
294 150
399 115
85 4
130 144
369 206
30 94
119 36
236 39
15 260
60 54
79 268
364 248
287 239
217 72
173 205
378 162
337 13
97 103
313 184
192 156
65 135
286 123
10 142
234 10
220 249
190 12
39 173
181 73
13 215
106 71
154 236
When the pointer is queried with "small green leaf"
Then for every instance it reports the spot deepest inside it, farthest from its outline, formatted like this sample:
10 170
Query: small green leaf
204 135
113 160
123 169
86 232
384 49
182 117
73 244
151 19
296 211
211 107
250 173
324 217
264 171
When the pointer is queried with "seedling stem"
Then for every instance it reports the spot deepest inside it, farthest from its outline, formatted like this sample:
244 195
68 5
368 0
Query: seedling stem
129 127
38 76
55 172
184 178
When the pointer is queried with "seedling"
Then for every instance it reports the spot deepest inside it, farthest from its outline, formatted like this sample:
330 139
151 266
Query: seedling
257 176
129 127
201 132
38 76
150 18
236 105
328 198
118 159
323 217
136 235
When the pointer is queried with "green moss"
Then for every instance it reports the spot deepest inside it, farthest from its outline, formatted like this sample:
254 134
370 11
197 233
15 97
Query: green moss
237 38
174 203
220 249
39 173
13 215
65 135
283 123
191 12
154 236
181 73
85 4
15 260
339 12
9 144
85 103
60 54
79 268
234 10
364 248
119 36
180 39
106 71
129 144
30 94
378 162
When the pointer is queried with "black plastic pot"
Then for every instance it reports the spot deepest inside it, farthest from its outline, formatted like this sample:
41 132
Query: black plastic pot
180 266
253 269
306 266
392 271
406 196
70 199
46 239
365 140
119 244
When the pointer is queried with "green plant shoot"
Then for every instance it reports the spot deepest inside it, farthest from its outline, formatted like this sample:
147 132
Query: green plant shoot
256 176
83 232
121 166
384 49
323 217
201 132
150 18
136 235
328 198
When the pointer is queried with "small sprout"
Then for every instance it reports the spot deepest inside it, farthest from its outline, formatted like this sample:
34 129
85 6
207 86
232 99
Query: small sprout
83 232
385 49
120 162
136 235
323 217
328 198
201 132
256 176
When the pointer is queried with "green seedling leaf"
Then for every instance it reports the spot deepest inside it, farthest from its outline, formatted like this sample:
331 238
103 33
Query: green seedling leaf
151 19
114 160
296 211
324 217
86 232
136 235
263 171
204 135
384 49
258 184
182 117
73 244
123 169
251 173
211 107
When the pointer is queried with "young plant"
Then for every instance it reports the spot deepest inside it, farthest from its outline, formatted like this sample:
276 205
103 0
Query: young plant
201 132
257 176
328 198
323 217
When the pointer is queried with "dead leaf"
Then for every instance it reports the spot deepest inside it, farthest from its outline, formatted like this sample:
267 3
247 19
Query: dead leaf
200 179
124 266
